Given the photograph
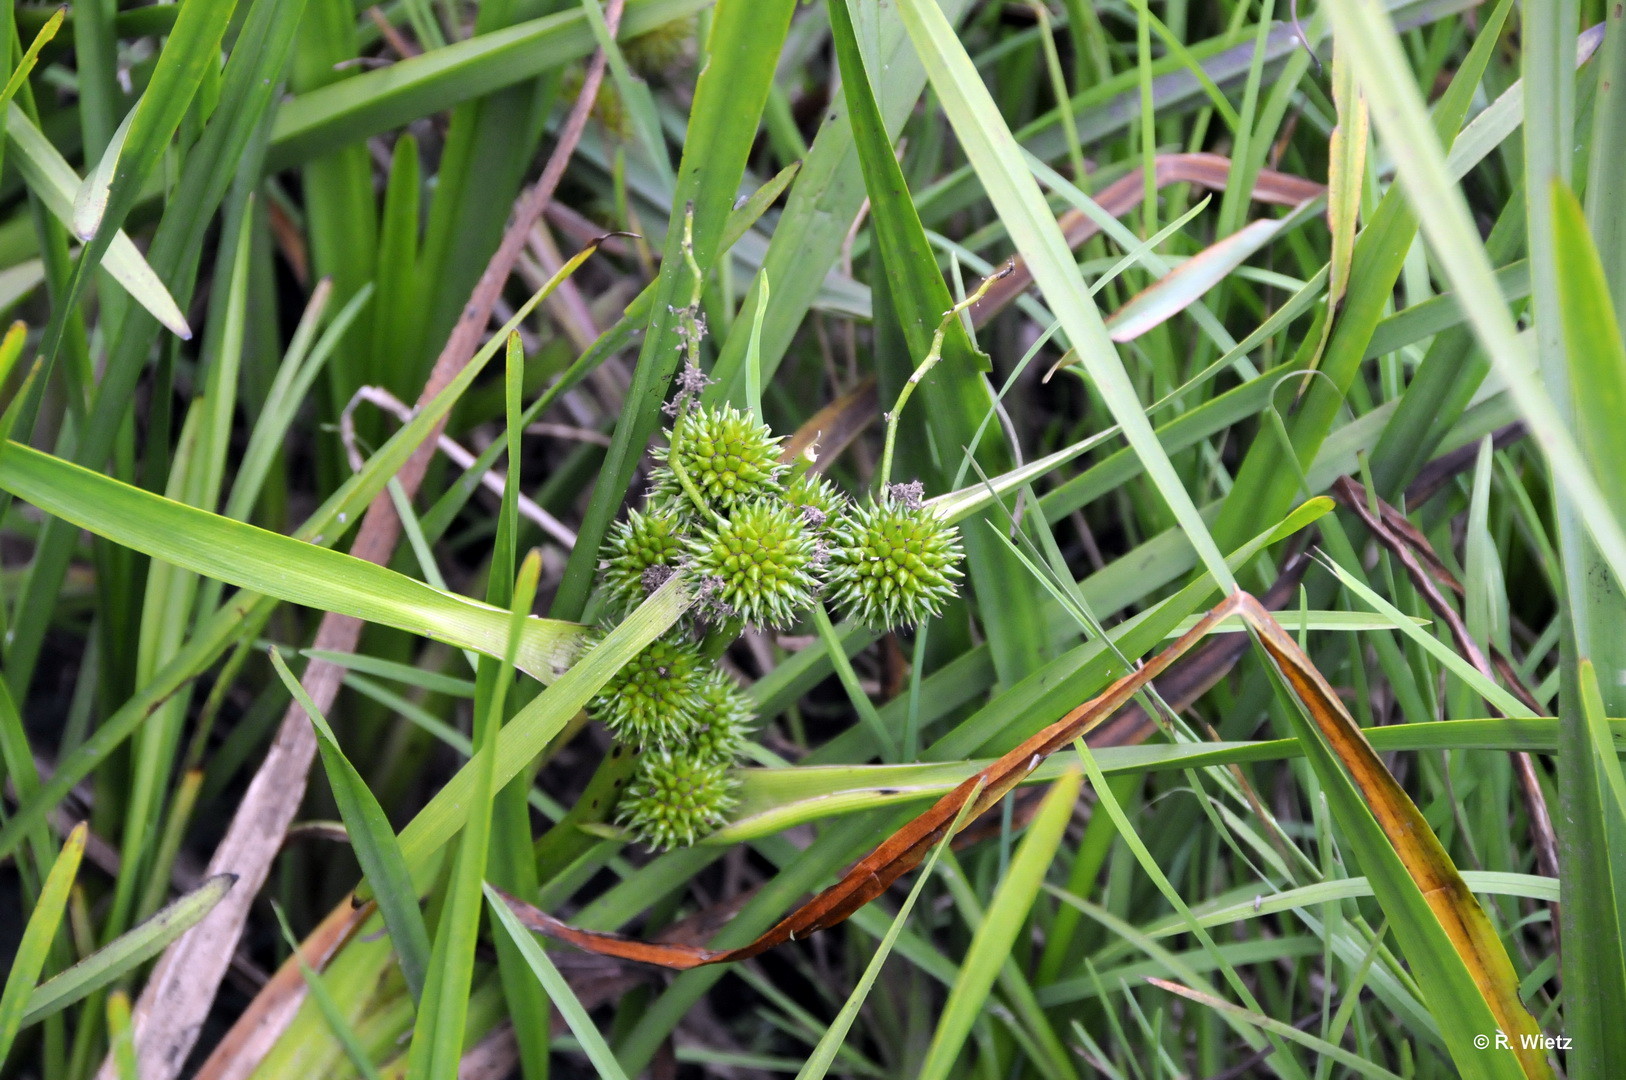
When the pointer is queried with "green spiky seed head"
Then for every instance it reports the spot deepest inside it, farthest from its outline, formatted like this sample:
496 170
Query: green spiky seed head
675 798
608 108
817 499
658 51
892 564
729 458
757 565
722 721
641 553
654 697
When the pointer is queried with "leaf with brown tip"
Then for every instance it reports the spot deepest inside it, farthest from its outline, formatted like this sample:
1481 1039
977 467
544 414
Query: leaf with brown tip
1467 979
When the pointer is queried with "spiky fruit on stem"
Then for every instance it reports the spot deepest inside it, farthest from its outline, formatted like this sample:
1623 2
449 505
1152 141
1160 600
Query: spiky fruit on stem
653 699
641 553
722 721
817 499
757 565
892 564
675 798
727 457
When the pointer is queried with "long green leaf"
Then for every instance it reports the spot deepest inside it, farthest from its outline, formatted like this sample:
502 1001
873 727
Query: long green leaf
525 736
437 1037
190 54
29 959
564 998
373 841
274 565
354 109
52 179
126 952
1007 914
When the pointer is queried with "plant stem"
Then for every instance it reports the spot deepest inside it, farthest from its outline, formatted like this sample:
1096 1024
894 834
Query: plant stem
933 355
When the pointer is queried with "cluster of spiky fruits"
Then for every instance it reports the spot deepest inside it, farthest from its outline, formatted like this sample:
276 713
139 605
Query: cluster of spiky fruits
760 544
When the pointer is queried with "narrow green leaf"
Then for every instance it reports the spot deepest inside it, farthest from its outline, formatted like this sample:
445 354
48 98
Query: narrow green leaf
372 839
52 179
1402 120
995 155
1007 914
534 726
1594 350
564 998
274 565
20 73
1612 785
1320 1047
128 951
191 51
437 1036
190 54
830 1043
332 1012
775 799
40 931
121 1036
373 102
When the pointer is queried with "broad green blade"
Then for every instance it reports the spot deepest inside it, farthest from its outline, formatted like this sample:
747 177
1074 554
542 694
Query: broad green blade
274 565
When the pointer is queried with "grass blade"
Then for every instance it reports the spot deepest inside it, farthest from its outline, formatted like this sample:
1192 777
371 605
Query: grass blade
437 1037
564 998
1016 197
274 565
1007 914
1460 963
373 841
829 1045
38 934
126 952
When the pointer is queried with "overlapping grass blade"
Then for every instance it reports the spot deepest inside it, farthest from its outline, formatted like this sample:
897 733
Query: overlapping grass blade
1456 954
52 179
373 841
998 161
127 952
275 565
1007 913
38 933
563 997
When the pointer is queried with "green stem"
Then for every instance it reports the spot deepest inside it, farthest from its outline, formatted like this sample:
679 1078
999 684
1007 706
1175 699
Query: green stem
849 680
674 461
933 355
